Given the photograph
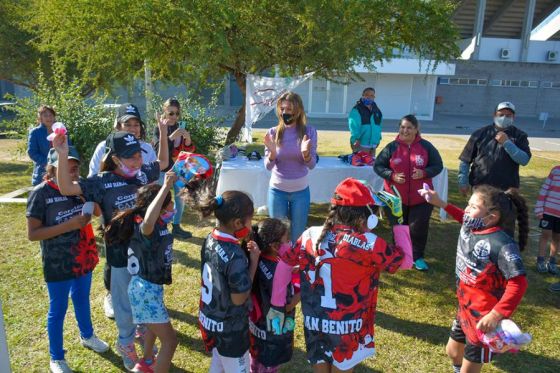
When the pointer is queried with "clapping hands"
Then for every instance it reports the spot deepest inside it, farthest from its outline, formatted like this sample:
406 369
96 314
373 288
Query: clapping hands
270 144
305 146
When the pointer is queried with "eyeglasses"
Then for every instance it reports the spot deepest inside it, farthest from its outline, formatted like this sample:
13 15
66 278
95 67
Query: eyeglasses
172 113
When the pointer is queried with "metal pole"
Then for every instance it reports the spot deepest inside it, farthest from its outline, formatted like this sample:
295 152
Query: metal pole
4 356
148 87
478 27
527 28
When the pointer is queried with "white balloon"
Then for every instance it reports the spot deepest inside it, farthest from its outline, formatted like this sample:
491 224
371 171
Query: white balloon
372 221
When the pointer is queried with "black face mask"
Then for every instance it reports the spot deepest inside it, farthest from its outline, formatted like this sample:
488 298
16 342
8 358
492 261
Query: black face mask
287 118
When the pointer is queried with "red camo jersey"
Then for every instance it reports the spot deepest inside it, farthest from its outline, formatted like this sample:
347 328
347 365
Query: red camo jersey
486 261
339 292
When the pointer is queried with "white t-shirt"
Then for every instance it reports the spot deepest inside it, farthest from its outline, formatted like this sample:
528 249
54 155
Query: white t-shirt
148 156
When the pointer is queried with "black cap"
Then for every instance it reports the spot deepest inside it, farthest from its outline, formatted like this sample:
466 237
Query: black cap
52 157
122 144
128 111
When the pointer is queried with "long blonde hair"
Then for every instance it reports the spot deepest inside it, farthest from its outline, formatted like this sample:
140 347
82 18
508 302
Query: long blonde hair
299 116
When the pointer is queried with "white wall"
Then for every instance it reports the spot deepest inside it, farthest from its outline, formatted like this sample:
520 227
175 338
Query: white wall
396 95
539 49
490 50
393 95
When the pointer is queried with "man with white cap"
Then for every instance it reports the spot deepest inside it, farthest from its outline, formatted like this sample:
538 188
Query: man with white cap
494 152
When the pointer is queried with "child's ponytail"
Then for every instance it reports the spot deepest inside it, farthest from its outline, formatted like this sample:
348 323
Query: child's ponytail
121 227
522 216
511 206
226 207
327 226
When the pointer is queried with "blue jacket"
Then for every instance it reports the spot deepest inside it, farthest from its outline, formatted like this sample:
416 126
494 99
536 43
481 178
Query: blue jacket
38 148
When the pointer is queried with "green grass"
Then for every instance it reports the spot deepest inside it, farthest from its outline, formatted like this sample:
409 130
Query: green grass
14 176
415 309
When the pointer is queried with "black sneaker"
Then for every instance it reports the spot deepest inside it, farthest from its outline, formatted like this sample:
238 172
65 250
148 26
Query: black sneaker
179 232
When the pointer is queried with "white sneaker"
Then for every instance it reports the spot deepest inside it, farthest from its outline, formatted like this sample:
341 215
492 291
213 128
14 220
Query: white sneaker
59 366
108 306
94 344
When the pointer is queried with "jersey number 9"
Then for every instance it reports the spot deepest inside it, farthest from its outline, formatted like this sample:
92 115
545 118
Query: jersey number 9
206 289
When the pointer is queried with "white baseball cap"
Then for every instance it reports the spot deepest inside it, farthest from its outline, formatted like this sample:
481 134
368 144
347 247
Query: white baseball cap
506 105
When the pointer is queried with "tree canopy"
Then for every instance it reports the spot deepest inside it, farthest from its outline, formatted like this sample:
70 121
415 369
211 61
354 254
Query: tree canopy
196 40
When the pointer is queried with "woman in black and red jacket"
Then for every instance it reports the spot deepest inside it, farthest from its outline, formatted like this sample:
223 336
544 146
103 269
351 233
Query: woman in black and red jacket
179 140
408 162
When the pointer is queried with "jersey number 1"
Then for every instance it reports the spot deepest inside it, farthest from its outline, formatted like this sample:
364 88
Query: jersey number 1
327 300
206 289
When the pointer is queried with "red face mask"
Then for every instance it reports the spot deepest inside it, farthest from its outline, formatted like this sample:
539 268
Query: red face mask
241 233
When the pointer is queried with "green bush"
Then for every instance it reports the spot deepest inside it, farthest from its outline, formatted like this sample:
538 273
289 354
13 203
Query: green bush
86 119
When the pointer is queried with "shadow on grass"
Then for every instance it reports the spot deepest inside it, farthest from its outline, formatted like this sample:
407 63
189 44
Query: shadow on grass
434 334
183 258
183 316
510 362
112 357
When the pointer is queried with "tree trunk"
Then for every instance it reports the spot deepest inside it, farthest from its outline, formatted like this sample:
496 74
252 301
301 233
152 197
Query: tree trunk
240 79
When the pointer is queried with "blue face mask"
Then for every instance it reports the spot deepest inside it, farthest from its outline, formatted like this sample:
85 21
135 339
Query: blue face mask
503 122
473 223
167 216
367 101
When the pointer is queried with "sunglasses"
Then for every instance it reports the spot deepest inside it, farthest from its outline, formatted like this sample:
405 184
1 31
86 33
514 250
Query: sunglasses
172 113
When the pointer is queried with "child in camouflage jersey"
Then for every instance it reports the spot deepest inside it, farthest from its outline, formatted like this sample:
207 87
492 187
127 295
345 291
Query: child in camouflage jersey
227 276
268 350
491 277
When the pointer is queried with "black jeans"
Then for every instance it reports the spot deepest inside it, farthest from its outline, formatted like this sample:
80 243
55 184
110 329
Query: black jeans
417 217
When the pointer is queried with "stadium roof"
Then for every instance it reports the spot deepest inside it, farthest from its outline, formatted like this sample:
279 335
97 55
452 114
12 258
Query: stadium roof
502 18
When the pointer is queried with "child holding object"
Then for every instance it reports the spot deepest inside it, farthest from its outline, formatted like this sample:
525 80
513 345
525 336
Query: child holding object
114 189
69 255
268 350
150 255
340 265
227 275
491 278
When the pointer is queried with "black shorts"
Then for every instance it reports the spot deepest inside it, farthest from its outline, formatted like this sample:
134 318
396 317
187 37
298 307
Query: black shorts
550 223
473 353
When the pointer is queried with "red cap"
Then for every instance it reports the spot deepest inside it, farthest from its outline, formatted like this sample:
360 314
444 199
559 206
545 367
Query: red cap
352 193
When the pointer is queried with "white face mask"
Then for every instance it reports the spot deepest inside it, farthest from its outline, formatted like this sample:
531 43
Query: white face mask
503 122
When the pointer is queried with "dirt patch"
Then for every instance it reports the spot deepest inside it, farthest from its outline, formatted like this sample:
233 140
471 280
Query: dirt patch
8 151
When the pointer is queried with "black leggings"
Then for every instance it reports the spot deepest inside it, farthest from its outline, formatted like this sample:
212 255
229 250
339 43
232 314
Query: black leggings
106 269
107 276
417 217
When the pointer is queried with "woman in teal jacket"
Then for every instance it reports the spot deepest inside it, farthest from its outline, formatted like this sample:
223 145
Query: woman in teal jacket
364 122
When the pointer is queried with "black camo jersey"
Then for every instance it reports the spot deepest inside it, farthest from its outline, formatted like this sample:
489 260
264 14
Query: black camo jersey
115 193
269 349
70 254
225 271
151 257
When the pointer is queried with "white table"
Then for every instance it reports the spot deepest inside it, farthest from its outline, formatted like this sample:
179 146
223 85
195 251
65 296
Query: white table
252 178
